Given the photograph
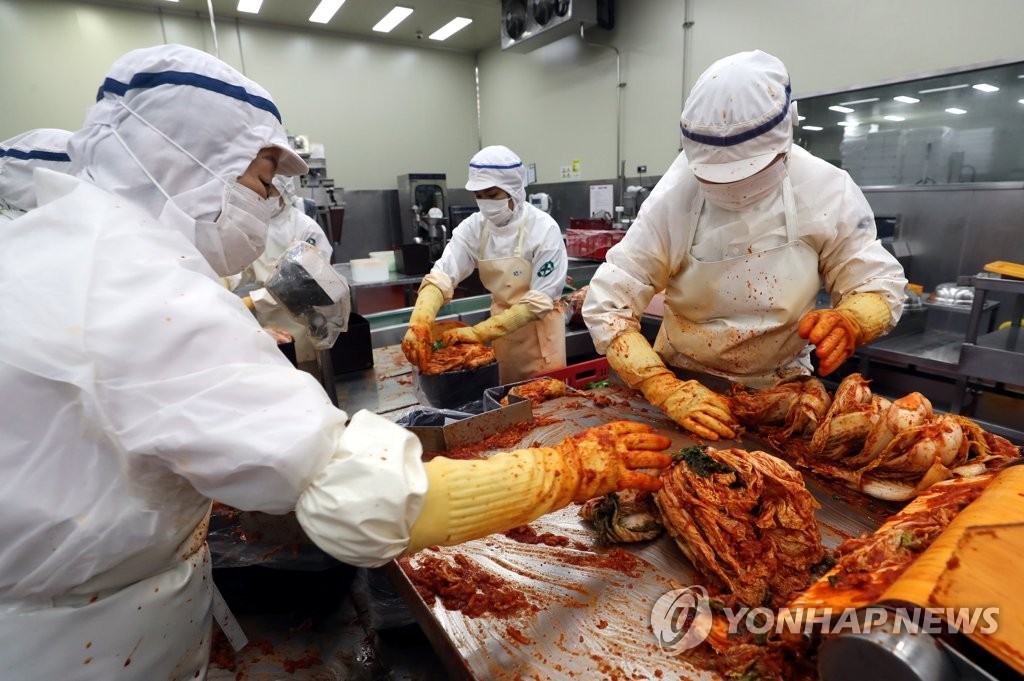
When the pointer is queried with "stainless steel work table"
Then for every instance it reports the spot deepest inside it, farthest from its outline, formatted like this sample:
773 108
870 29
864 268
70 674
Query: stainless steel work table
592 621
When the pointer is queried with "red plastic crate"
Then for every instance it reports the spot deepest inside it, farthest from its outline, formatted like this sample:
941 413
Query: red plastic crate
578 375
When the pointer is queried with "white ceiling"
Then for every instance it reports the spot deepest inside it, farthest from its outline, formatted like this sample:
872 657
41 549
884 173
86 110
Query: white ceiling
357 18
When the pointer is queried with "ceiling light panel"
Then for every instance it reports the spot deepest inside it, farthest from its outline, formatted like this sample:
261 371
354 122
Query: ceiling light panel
811 127
896 119
451 28
942 89
250 6
985 87
860 101
325 11
392 19
841 109
954 110
904 99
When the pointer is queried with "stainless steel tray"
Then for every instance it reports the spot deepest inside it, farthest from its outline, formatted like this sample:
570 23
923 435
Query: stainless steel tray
592 622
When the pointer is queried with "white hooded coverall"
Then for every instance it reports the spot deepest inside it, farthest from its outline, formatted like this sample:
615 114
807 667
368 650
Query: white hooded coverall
536 279
139 389
19 157
742 256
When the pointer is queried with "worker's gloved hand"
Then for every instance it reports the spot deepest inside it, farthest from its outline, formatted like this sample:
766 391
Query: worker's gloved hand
691 405
502 324
837 332
606 458
417 343
470 499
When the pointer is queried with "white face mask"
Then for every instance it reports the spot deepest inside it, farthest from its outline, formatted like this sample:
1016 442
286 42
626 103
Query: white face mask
236 237
277 205
496 210
736 196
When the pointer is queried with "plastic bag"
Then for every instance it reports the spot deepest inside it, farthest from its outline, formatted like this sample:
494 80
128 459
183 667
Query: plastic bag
306 284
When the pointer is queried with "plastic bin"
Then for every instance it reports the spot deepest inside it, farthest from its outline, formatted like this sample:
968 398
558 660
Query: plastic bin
579 375
454 389
353 350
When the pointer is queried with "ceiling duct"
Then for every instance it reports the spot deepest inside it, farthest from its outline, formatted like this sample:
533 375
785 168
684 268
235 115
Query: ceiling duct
529 24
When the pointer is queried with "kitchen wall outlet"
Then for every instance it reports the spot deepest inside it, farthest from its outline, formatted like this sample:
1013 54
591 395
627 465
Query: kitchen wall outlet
566 172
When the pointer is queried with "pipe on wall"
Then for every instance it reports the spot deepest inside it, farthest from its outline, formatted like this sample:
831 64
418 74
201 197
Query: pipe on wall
619 85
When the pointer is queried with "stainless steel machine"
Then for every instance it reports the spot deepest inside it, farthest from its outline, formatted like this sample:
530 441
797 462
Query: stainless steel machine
320 189
419 194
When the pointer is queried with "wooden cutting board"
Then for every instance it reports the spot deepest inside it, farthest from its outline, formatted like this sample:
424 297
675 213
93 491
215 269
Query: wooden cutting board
982 574
1007 269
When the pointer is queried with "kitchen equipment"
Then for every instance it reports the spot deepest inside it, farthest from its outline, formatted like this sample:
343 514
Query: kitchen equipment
366 270
949 293
387 256
881 653
541 201
1007 269
353 350
413 258
417 194
454 389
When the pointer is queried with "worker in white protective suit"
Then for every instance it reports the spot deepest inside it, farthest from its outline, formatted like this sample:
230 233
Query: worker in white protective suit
521 256
740 234
288 224
141 389
19 157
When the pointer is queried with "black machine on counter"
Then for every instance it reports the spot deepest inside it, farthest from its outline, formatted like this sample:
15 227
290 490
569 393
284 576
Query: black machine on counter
423 206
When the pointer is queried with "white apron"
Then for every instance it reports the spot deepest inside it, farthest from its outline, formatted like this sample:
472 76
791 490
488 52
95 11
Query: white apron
540 345
737 318
157 627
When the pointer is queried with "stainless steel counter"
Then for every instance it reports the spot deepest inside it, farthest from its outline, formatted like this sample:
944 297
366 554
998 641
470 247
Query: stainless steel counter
593 621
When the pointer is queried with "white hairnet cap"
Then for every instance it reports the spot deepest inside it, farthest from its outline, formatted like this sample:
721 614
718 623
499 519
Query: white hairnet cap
737 117
182 94
498 166
20 155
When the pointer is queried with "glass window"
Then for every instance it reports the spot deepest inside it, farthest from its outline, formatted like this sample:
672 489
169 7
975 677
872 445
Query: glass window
958 127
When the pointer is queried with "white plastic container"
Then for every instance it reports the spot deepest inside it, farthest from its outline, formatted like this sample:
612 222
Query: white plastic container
368 270
386 256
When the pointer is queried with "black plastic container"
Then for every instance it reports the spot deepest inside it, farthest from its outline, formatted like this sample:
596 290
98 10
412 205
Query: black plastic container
353 351
454 389
413 259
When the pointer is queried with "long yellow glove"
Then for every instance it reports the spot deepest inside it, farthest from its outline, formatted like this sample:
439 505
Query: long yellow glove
688 403
859 319
502 324
417 342
470 499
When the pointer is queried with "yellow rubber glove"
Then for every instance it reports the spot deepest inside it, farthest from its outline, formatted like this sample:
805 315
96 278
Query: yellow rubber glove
470 499
859 319
688 403
417 342
499 325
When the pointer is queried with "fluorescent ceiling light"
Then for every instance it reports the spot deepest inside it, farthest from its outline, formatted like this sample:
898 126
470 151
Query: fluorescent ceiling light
451 28
954 110
941 89
325 11
860 101
894 118
906 100
392 19
251 6
985 87
1020 101
851 124
810 127
801 118
841 109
